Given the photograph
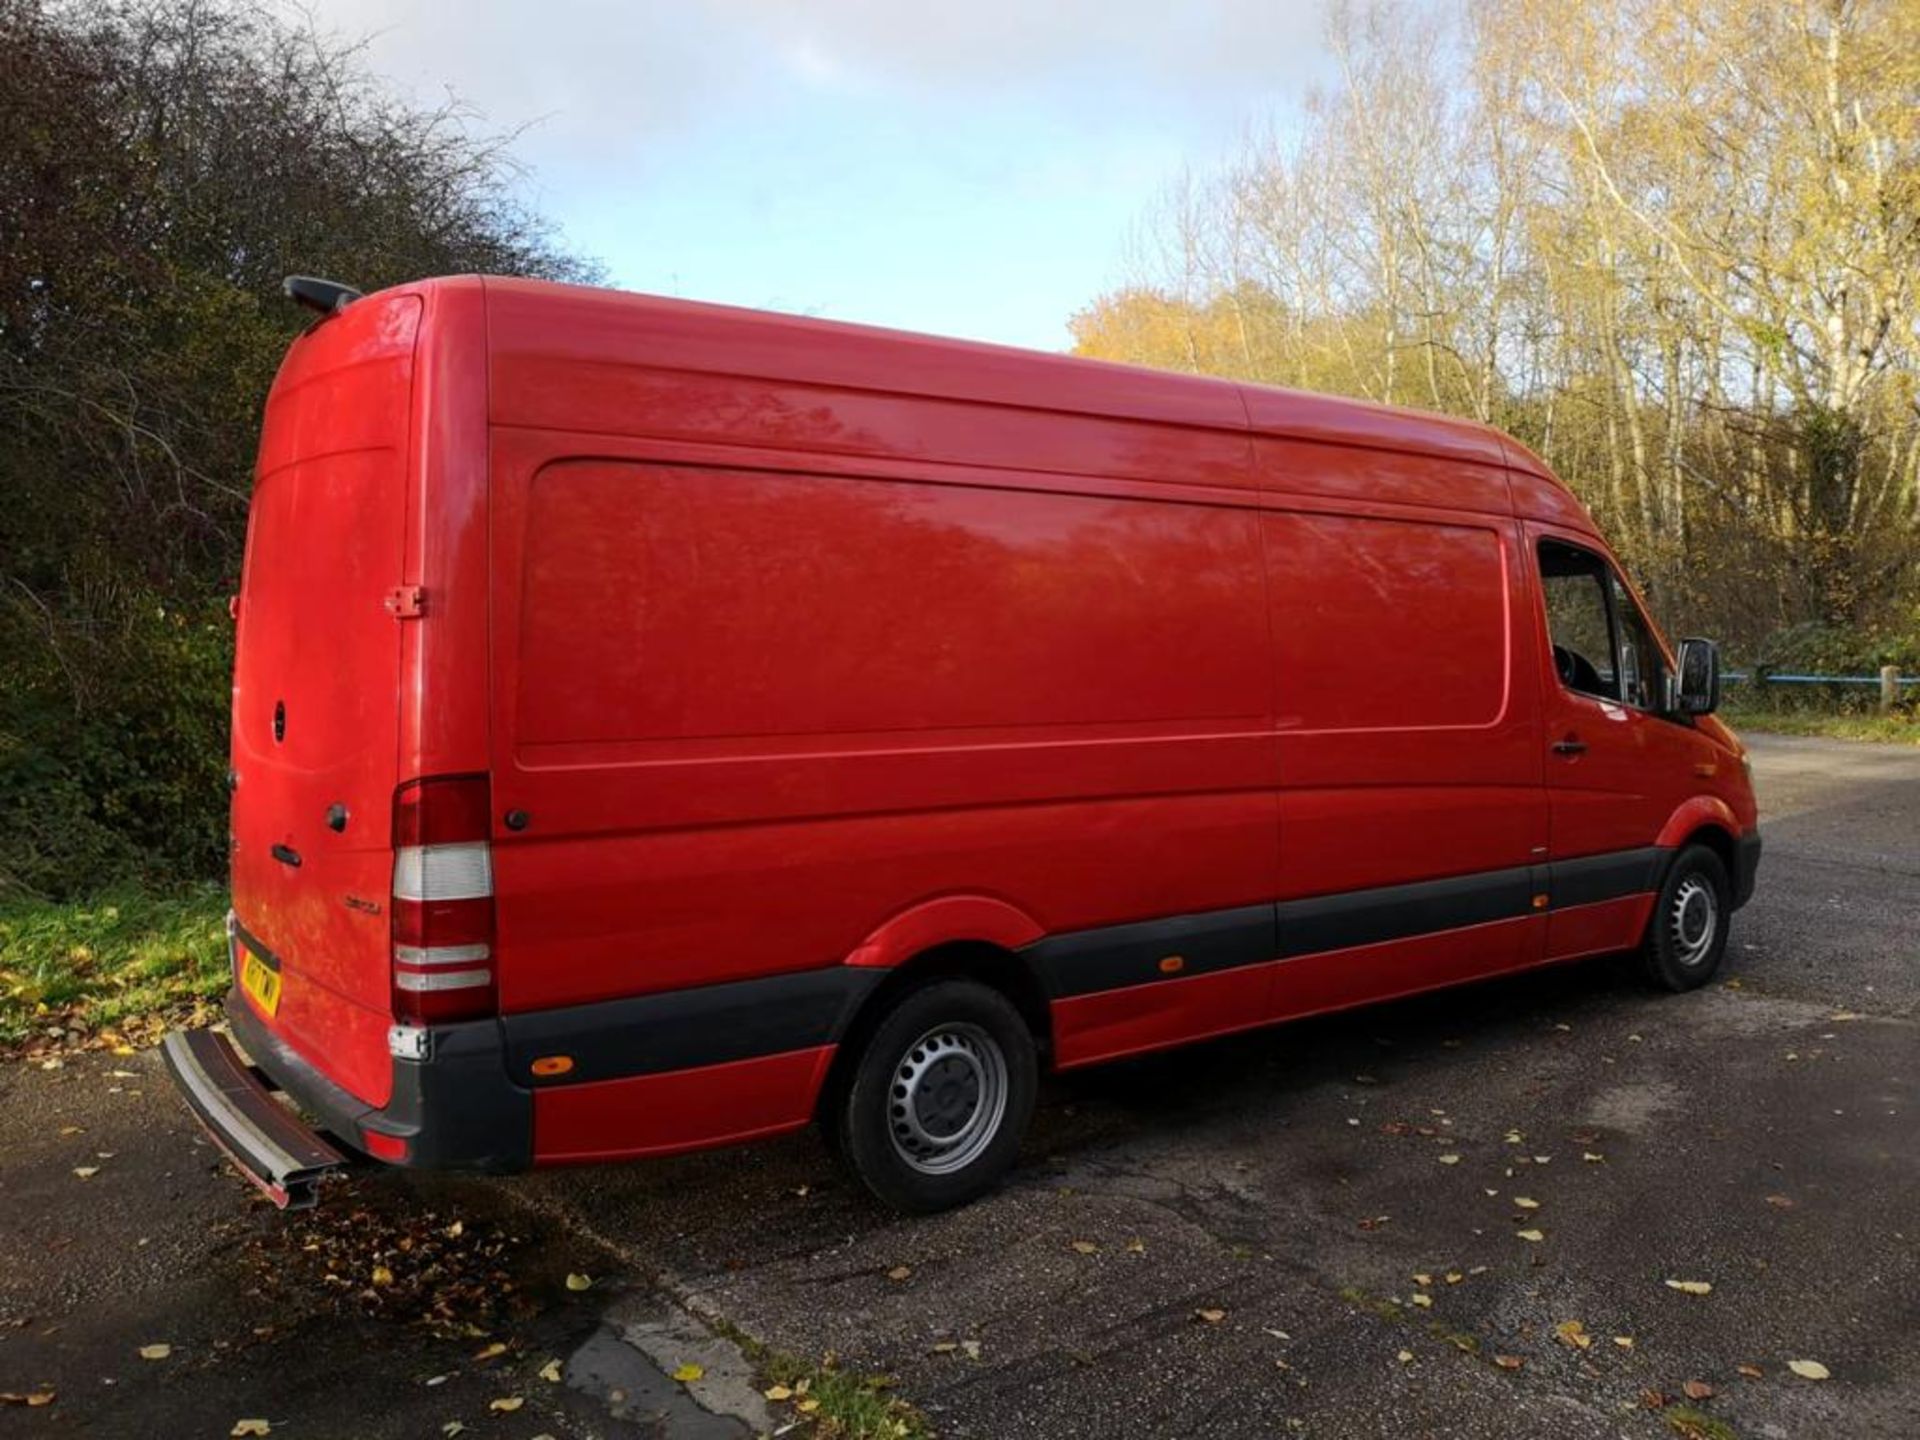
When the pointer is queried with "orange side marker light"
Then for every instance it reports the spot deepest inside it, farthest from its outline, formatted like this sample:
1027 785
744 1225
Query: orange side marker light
553 1065
1172 964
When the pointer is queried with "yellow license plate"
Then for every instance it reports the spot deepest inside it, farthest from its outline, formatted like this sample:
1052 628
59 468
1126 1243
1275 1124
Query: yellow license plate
260 982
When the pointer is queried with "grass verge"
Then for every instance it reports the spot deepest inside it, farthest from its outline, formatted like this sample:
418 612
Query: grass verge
830 1403
1894 729
114 969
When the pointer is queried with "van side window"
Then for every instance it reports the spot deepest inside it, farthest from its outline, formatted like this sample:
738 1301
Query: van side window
1579 618
1640 665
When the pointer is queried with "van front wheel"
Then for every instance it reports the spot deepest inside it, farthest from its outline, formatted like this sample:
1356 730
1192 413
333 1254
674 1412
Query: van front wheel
941 1094
1687 933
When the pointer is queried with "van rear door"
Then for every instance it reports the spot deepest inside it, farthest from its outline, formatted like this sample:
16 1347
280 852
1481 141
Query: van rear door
316 692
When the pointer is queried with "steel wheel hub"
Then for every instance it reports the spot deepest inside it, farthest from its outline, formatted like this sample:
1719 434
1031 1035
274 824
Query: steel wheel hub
948 1096
1693 920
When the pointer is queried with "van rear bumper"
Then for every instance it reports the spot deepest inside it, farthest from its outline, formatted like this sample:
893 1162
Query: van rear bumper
452 1109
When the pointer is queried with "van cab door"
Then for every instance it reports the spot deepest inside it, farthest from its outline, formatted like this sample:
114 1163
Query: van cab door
1616 765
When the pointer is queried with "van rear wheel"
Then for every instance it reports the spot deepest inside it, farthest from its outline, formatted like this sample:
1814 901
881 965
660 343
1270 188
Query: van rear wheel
939 1097
1687 933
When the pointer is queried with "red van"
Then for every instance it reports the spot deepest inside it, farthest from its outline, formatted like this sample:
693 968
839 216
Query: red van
658 725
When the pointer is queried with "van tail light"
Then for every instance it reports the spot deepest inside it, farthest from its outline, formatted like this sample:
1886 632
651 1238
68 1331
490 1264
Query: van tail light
443 964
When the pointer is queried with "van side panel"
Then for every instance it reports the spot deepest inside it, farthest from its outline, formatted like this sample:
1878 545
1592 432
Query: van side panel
1406 705
753 713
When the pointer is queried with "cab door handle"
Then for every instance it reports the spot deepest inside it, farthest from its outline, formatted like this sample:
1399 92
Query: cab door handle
1572 745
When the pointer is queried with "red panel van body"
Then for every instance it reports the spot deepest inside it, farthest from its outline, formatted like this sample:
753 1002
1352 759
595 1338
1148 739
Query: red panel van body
640 705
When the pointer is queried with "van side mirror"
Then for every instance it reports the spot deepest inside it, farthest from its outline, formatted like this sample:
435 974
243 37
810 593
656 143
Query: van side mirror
1696 689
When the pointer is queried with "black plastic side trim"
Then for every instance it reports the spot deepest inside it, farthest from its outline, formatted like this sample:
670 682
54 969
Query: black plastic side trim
1114 956
1398 912
681 1029
1593 878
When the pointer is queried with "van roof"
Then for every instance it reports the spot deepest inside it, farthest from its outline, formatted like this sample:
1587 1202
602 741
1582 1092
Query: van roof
725 339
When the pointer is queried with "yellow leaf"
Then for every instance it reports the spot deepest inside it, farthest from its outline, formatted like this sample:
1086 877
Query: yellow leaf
1691 1287
1212 1317
1085 1247
155 1352
899 1272
807 1406
86 1172
250 1427
382 1275
550 1372
1525 1204
1625 1342
689 1373
506 1404
1809 1369
487 1353
1423 1279
778 1392
1454 1277
1136 1247
1405 1356
455 1230
1449 1159
1533 1235
577 1281
1424 1301
1572 1332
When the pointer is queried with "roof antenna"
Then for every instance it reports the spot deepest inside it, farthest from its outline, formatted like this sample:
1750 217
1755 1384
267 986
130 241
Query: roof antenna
329 297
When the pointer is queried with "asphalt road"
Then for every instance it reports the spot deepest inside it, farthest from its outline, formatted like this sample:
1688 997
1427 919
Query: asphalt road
1762 1137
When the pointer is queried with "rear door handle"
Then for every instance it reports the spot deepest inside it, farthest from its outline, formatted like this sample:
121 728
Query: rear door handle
1572 745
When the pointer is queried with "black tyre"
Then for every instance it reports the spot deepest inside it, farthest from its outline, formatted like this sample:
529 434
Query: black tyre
1687 933
939 1097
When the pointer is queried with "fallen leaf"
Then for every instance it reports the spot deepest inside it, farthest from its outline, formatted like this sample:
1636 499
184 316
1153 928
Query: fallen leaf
807 1406
550 1372
382 1275
899 1272
250 1427
1752 1372
1697 1390
1424 1301
1572 1332
1652 1399
945 1347
1085 1247
86 1172
506 1404
456 1230
1525 1204
1136 1247
779 1392
1691 1287
1809 1369
1625 1342
452 1427
1532 1235
1419 1279
689 1373
488 1352
1449 1159
1454 1277
1780 1202
971 1348
1212 1317
433 1380
155 1352
1405 1356
1508 1362
1591 1158
577 1282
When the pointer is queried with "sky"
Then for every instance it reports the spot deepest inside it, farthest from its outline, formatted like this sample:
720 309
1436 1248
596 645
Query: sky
971 168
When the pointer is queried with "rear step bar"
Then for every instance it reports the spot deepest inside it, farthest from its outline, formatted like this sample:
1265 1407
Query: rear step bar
268 1142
